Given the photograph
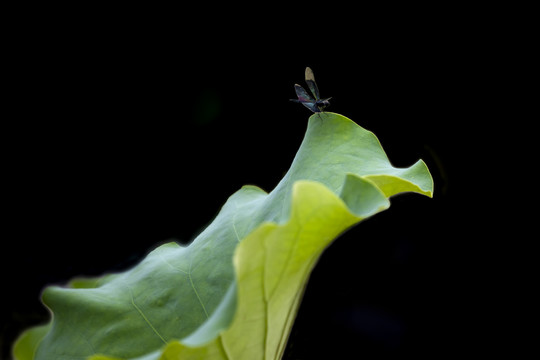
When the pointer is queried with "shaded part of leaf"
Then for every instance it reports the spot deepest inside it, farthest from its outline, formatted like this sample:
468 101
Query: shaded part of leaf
362 196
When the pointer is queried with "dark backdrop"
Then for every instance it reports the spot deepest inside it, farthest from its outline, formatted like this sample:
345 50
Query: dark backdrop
132 131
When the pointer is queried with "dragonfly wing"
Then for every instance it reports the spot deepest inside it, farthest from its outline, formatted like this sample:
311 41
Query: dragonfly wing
302 94
311 106
310 80
305 99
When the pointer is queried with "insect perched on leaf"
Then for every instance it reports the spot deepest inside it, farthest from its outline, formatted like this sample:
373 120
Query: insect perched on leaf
315 103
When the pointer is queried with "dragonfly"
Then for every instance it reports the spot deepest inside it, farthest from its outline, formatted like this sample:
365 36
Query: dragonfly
315 103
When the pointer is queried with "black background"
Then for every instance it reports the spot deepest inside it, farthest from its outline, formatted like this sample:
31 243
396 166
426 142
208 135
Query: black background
132 128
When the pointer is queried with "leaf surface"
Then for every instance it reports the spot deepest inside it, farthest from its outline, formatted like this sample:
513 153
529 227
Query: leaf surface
233 293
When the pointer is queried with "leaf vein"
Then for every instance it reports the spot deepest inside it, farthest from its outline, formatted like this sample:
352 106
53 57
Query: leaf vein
144 317
225 351
196 292
234 222
172 266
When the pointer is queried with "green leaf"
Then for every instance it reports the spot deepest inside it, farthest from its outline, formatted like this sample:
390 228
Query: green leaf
233 293
26 345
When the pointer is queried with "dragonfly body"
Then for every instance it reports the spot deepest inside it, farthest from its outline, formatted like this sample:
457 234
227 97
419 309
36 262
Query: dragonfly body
313 103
